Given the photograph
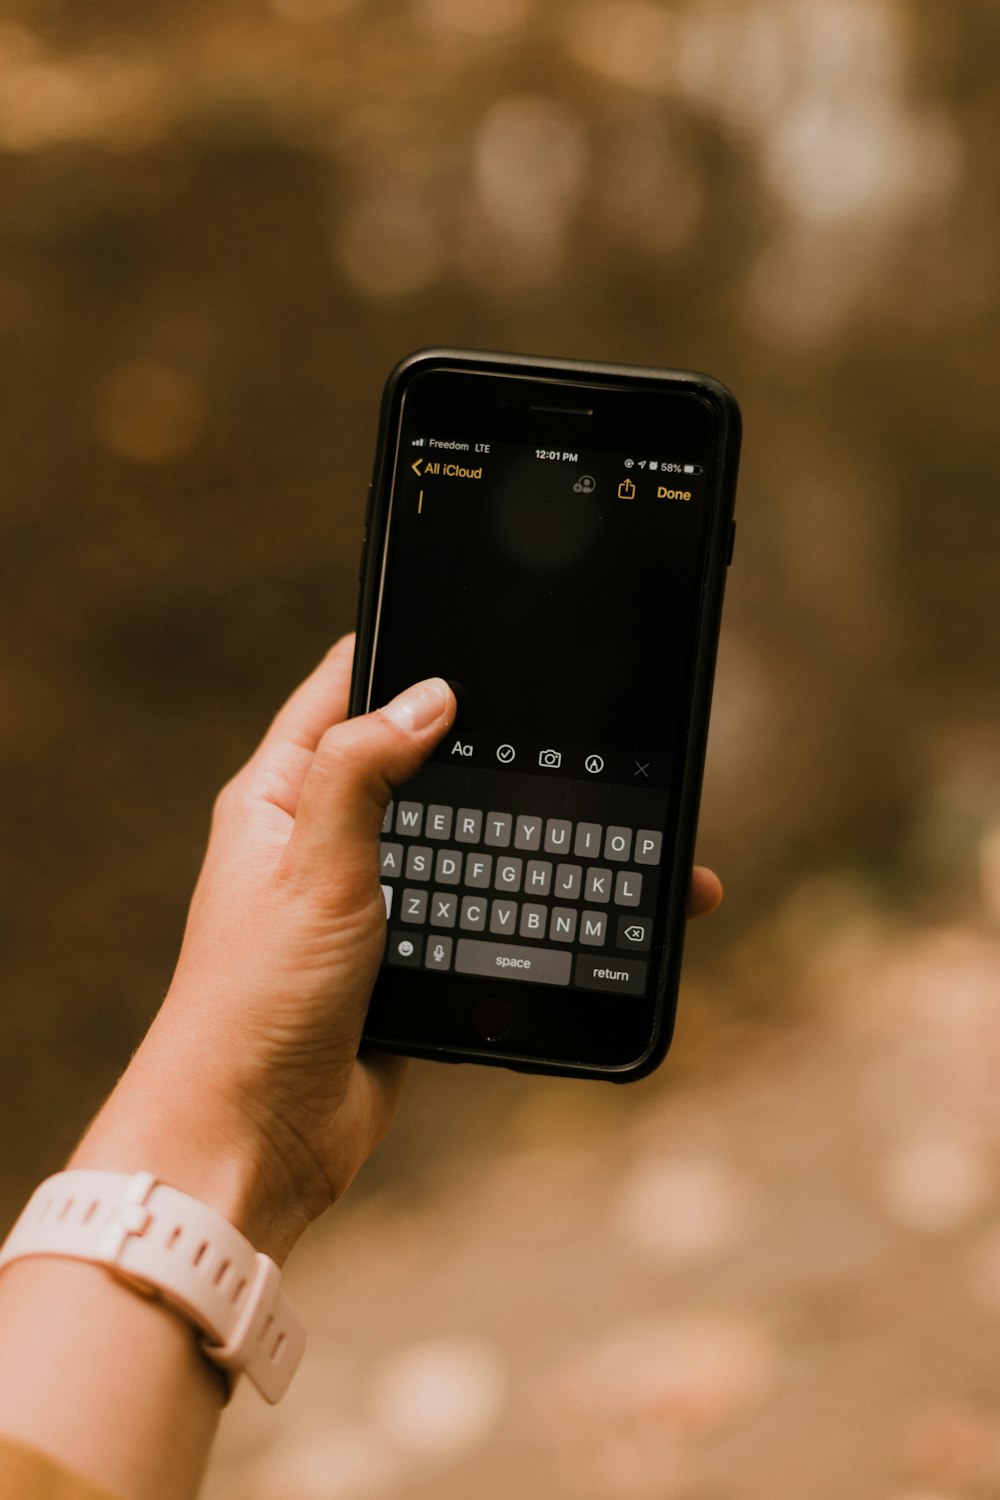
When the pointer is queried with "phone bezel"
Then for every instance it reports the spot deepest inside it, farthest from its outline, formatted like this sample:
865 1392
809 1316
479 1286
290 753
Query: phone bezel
555 1030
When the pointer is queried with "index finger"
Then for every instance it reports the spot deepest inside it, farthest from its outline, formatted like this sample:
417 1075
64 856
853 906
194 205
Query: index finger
706 892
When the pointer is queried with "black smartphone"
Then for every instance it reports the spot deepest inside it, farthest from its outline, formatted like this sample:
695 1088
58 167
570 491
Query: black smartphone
551 537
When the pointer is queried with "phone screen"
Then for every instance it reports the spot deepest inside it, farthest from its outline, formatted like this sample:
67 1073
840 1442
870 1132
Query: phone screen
544 552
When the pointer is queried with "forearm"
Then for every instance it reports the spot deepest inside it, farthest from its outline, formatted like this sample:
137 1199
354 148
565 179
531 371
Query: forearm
110 1382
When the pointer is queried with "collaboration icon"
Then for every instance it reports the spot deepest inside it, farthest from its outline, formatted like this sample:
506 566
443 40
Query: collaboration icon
505 754
550 759
585 485
594 764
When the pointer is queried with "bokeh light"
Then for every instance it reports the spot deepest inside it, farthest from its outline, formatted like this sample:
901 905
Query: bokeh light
388 247
473 18
531 166
148 412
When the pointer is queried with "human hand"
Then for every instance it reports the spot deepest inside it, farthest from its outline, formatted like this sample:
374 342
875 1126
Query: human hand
253 1058
248 1090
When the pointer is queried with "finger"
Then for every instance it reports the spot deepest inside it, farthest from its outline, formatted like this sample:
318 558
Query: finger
355 1129
385 1074
706 892
316 704
356 765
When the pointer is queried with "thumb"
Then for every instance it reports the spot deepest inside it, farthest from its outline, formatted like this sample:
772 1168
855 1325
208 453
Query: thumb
357 764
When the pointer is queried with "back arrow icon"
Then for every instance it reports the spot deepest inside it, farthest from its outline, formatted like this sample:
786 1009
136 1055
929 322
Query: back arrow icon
415 466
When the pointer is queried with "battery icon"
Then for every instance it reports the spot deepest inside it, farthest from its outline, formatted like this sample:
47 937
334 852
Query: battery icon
693 469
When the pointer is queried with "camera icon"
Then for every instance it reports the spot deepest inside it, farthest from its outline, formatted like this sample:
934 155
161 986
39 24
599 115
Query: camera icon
550 759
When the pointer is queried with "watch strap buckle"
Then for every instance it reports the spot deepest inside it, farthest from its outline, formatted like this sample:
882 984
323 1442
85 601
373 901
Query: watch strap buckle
130 1217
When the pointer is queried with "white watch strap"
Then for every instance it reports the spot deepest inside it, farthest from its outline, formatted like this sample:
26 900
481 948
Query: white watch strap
168 1242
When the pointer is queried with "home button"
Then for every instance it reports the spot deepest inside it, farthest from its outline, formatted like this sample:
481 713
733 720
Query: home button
492 1019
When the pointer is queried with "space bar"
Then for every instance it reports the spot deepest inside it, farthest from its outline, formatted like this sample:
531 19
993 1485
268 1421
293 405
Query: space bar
509 961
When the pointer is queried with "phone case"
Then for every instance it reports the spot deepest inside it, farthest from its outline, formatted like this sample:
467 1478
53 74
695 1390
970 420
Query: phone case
719 552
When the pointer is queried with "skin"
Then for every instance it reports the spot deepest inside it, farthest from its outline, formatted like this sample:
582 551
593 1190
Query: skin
248 1091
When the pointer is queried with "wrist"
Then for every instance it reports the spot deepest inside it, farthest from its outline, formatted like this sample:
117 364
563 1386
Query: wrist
195 1141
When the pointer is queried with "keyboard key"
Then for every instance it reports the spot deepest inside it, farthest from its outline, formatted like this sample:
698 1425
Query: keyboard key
498 826
478 871
528 833
438 953
562 924
387 898
444 909
537 877
413 906
598 886
473 917
635 933
587 844
533 919
392 860
448 870
404 949
647 846
468 826
628 888
593 928
624 976
618 843
503 917
409 817
537 965
418 862
387 820
568 878
508 875
437 824
557 836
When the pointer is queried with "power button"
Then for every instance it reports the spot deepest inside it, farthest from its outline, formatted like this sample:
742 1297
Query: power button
732 542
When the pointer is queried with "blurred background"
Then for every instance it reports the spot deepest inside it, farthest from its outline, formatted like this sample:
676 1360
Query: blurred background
773 1269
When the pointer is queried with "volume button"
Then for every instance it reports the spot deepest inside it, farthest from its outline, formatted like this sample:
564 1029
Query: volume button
361 561
368 505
